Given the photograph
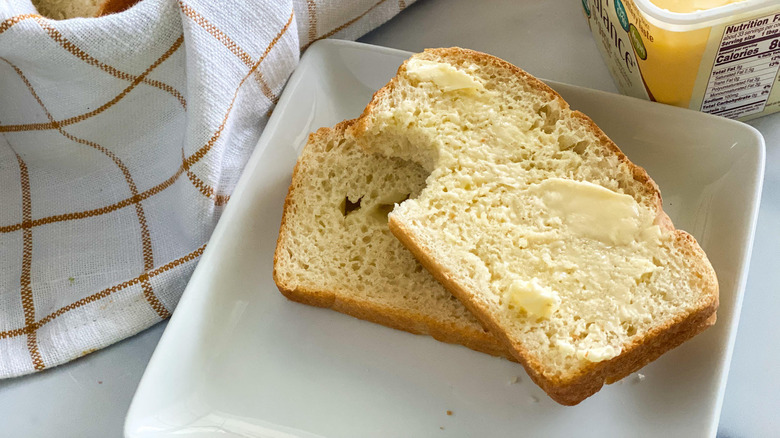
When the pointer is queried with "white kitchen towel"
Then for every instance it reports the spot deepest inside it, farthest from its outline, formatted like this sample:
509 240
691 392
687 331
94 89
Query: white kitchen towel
121 139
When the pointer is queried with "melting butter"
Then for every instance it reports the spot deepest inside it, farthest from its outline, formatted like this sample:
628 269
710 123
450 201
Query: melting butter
598 354
592 354
596 212
534 298
445 76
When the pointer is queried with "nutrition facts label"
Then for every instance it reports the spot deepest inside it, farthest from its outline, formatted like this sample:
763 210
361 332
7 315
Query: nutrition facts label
745 68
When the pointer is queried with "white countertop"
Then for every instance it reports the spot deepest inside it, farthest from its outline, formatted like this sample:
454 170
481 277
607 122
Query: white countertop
90 396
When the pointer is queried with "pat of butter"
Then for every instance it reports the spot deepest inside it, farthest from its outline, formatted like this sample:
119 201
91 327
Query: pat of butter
445 76
598 354
534 298
565 347
685 6
596 212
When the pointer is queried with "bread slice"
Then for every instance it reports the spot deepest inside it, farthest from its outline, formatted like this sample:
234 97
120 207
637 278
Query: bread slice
537 222
335 249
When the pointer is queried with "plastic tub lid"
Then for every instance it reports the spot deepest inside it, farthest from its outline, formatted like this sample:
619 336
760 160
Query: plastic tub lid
694 20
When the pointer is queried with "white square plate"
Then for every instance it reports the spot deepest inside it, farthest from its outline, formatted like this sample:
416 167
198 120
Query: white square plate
237 359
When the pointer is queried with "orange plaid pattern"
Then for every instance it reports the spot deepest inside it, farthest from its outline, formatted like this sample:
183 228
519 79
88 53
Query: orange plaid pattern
205 121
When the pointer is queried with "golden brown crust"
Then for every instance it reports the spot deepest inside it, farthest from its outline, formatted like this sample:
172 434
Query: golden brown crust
413 322
589 380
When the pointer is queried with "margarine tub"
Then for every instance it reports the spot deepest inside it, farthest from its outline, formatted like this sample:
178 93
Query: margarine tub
717 56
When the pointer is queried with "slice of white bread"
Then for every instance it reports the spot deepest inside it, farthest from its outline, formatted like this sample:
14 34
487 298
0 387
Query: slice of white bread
537 222
335 249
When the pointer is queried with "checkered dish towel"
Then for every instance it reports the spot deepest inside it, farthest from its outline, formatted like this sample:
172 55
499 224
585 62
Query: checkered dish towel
121 139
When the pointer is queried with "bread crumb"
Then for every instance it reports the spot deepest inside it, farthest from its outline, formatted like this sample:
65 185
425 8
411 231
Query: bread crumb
514 380
449 412
534 399
639 377
441 427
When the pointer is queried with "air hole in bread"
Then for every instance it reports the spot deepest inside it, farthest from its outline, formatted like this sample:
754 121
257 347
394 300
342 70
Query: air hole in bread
569 142
629 328
550 116
644 278
348 206
580 147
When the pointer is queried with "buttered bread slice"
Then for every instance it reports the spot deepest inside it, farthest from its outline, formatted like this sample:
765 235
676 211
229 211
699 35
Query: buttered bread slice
537 222
335 249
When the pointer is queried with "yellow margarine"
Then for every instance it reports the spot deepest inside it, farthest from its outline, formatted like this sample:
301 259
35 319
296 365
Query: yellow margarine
598 354
537 300
596 212
684 6
717 56
593 354
445 76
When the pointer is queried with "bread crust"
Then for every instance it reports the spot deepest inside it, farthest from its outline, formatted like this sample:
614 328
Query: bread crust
409 321
591 378
414 323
